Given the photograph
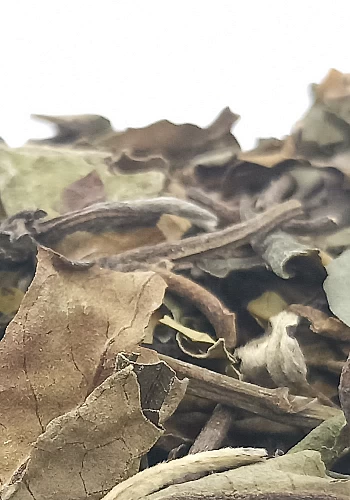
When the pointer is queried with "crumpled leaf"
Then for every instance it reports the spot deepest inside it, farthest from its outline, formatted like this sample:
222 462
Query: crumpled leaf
85 452
53 351
283 253
269 152
275 359
74 128
337 286
170 141
33 177
323 324
324 129
199 345
193 335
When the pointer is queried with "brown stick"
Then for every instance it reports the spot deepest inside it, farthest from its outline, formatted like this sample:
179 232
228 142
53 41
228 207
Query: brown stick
275 404
238 234
213 434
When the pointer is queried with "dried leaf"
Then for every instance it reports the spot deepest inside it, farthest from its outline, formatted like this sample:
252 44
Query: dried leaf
69 458
275 357
68 322
327 438
170 141
156 478
297 476
84 192
73 128
321 323
191 334
88 246
267 305
223 320
35 177
337 286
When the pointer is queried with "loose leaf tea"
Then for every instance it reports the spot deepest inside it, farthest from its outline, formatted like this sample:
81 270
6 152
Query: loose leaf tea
174 311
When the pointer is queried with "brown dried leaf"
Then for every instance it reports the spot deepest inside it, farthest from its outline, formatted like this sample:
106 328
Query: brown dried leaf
127 164
73 128
198 344
88 246
321 323
85 452
172 141
84 192
54 348
222 320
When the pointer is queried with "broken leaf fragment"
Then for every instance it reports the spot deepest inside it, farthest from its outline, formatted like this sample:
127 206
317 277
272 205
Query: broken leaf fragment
34 177
69 321
85 452
337 286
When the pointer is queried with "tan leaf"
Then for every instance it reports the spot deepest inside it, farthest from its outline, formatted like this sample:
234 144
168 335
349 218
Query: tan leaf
169 141
191 334
85 191
54 348
89 246
267 305
85 452
275 358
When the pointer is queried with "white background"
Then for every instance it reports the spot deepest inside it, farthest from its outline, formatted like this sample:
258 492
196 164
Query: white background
140 61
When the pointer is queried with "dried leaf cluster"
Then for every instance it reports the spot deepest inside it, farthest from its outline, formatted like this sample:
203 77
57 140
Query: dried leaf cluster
174 311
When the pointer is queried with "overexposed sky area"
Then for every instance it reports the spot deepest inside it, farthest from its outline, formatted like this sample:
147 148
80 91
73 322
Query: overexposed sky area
140 61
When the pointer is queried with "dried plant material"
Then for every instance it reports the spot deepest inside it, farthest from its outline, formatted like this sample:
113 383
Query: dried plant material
105 217
173 227
249 253
200 345
270 152
327 439
276 358
68 322
86 246
156 478
267 305
297 476
214 433
170 141
337 286
84 192
191 334
344 390
73 128
34 178
69 458
321 323
223 320
235 235
127 164
274 404
282 252
222 267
